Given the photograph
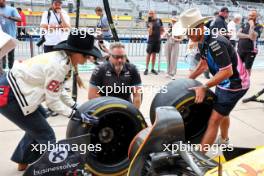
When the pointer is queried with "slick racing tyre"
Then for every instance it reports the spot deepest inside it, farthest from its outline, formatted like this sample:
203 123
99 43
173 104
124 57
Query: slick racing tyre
178 95
119 122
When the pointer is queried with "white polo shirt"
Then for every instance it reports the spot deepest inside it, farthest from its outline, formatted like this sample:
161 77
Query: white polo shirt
55 36
232 29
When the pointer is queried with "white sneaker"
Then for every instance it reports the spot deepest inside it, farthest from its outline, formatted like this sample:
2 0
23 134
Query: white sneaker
220 140
173 77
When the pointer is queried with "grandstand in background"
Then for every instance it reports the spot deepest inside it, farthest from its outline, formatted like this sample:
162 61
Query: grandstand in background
132 13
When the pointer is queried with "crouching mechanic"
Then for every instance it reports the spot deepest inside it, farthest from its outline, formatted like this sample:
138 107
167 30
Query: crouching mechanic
229 74
37 80
116 78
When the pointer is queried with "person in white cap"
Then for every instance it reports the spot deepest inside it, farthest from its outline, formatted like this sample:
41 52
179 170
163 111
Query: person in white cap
229 74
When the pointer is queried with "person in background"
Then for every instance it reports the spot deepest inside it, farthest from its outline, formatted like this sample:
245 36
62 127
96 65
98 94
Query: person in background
192 55
40 79
56 22
172 50
219 23
232 28
8 18
247 43
21 30
155 31
103 23
116 74
207 24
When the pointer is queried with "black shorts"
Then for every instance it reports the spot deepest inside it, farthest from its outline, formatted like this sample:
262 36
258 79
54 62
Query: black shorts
227 100
153 47
248 58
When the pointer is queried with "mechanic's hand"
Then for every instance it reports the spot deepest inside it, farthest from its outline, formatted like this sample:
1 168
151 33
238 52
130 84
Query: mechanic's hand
199 93
85 118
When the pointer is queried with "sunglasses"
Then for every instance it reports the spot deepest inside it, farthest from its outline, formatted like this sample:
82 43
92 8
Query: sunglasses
118 56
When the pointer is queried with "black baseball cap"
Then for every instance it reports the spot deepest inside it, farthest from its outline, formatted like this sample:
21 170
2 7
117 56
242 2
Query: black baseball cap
59 1
224 9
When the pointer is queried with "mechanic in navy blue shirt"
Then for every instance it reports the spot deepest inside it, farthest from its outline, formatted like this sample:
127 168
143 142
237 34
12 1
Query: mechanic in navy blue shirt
116 78
229 74
219 22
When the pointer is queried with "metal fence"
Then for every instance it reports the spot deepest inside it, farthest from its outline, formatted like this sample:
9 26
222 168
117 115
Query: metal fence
135 41
135 47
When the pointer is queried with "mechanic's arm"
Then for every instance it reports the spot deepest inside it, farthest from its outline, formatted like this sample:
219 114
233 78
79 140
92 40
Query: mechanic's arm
220 76
137 96
200 68
223 61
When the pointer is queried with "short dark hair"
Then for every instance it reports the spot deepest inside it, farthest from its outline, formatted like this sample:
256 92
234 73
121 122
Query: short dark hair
19 9
224 9
98 9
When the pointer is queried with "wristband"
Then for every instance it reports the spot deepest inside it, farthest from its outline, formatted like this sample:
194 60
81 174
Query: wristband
205 86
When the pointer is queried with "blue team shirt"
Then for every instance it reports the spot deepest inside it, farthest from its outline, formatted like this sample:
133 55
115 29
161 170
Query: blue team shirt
9 26
220 55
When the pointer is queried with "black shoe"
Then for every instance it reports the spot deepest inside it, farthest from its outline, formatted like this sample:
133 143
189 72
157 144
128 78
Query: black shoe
146 72
154 72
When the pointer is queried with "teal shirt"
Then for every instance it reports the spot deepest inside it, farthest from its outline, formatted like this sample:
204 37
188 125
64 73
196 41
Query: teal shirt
9 26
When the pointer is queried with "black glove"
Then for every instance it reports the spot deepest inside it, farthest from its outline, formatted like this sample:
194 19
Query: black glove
85 118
